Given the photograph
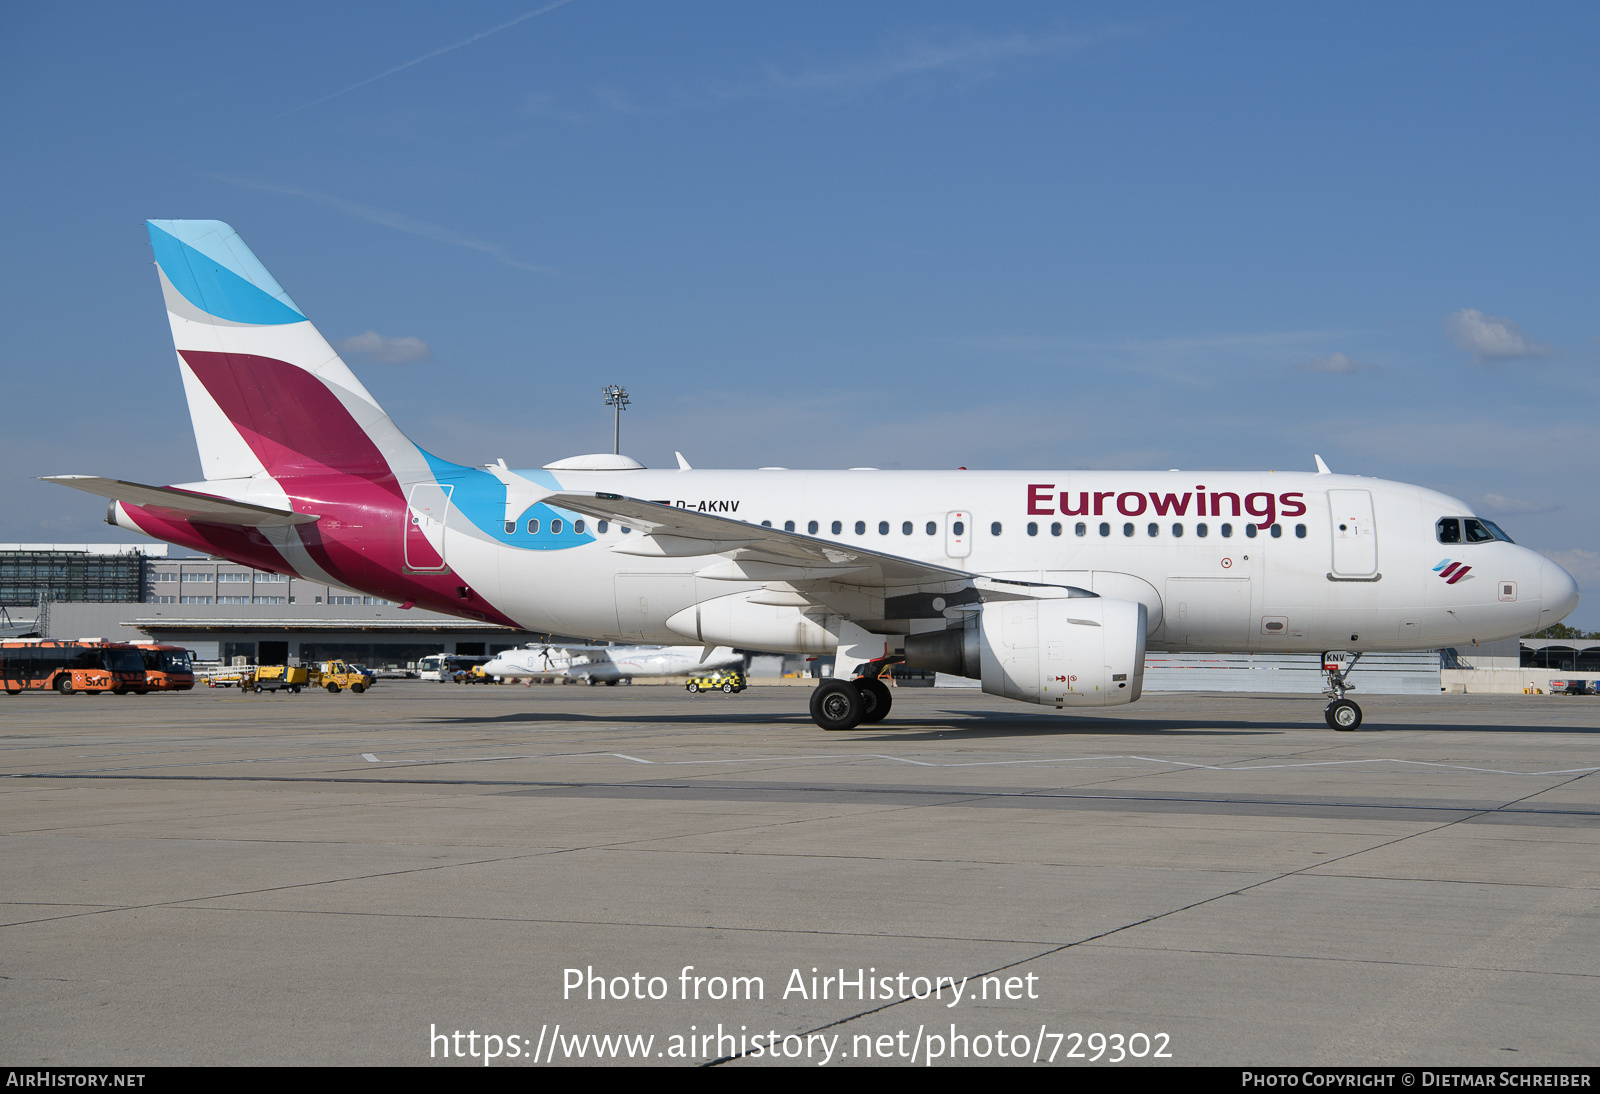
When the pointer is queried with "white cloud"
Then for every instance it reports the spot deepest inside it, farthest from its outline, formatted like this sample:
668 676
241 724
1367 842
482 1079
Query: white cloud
1490 338
1334 363
1498 505
389 351
966 54
1583 565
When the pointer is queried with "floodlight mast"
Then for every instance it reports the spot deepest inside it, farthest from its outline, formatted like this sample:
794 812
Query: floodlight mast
617 397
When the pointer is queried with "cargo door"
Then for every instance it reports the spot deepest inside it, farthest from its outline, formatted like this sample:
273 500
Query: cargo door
1355 533
1208 613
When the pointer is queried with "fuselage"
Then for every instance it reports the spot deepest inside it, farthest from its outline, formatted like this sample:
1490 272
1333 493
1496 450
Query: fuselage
1222 560
612 663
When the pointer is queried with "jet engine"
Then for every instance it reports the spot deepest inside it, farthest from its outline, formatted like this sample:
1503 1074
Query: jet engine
1079 652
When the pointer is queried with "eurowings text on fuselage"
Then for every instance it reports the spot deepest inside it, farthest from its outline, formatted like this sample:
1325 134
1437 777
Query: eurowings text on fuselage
1046 586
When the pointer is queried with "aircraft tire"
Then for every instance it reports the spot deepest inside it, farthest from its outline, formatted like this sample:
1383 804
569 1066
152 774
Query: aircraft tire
876 699
1343 715
836 704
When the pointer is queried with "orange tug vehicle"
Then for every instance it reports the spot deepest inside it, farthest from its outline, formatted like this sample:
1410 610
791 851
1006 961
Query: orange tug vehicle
89 665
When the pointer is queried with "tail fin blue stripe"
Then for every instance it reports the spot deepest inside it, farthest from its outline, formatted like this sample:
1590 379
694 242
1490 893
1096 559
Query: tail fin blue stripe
209 264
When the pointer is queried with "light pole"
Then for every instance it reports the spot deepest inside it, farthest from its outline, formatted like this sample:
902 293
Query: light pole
617 397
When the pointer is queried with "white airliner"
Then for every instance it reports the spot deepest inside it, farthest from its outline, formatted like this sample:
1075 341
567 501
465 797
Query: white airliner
608 664
1047 586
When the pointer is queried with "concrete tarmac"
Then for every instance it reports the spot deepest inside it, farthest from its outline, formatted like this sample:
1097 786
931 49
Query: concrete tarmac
215 878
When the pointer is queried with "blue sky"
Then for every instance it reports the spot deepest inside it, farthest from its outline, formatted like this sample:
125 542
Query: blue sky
832 235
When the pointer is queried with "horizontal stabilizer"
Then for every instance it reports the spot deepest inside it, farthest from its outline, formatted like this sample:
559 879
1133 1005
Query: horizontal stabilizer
174 504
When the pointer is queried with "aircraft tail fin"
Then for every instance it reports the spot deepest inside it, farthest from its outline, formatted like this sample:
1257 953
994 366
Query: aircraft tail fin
267 393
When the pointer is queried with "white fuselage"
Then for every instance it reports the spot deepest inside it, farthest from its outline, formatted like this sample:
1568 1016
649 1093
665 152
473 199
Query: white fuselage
1334 576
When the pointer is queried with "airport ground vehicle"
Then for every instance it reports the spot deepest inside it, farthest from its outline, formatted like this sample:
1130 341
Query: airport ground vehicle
290 678
166 668
729 682
1046 586
89 665
335 675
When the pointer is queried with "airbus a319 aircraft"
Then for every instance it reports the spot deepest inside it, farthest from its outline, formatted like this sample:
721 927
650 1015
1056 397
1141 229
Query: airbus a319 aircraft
1047 586
608 664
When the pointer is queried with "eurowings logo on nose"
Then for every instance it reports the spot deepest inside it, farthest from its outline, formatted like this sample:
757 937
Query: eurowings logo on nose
1452 572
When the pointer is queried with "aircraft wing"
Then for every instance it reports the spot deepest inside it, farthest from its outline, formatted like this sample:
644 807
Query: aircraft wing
167 501
758 553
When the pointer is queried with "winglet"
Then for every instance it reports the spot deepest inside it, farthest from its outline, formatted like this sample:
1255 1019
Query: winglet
1322 468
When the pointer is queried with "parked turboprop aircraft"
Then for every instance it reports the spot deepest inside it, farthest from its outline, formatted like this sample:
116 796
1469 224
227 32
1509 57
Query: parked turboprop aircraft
608 664
1047 586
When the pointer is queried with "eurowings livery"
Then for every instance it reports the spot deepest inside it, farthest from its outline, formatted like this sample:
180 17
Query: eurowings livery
1047 586
608 664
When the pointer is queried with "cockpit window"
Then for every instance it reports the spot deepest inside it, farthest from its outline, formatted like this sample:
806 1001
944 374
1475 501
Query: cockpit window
1469 530
1482 531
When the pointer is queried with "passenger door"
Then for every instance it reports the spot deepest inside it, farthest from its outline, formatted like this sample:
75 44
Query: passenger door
1355 533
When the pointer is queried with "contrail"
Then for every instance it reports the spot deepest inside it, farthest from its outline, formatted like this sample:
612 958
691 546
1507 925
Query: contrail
398 221
524 17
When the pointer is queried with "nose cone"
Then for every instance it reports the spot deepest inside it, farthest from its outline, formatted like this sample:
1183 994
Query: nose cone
497 667
1558 594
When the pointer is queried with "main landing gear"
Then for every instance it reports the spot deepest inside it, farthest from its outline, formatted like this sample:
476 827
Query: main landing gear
1342 714
845 704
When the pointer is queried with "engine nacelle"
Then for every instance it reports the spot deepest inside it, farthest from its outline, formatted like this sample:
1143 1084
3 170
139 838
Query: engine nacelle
1066 653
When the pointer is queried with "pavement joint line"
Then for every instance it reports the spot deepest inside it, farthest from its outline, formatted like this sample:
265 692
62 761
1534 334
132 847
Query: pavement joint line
1339 959
968 793
1137 923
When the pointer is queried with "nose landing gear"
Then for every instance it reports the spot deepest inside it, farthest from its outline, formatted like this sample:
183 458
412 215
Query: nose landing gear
1342 714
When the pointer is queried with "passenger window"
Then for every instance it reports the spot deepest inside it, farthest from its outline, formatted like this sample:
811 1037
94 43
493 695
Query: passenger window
838 526
994 529
933 528
788 526
1080 528
766 524
1055 528
533 527
883 527
1127 529
1227 531
511 526
1201 530
1277 531
1177 530
1154 530
1476 532
1299 531
1250 531
555 527
959 528
905 529
861 527
811 528
577 526
603 527
1105 529
1449 530
1033 528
